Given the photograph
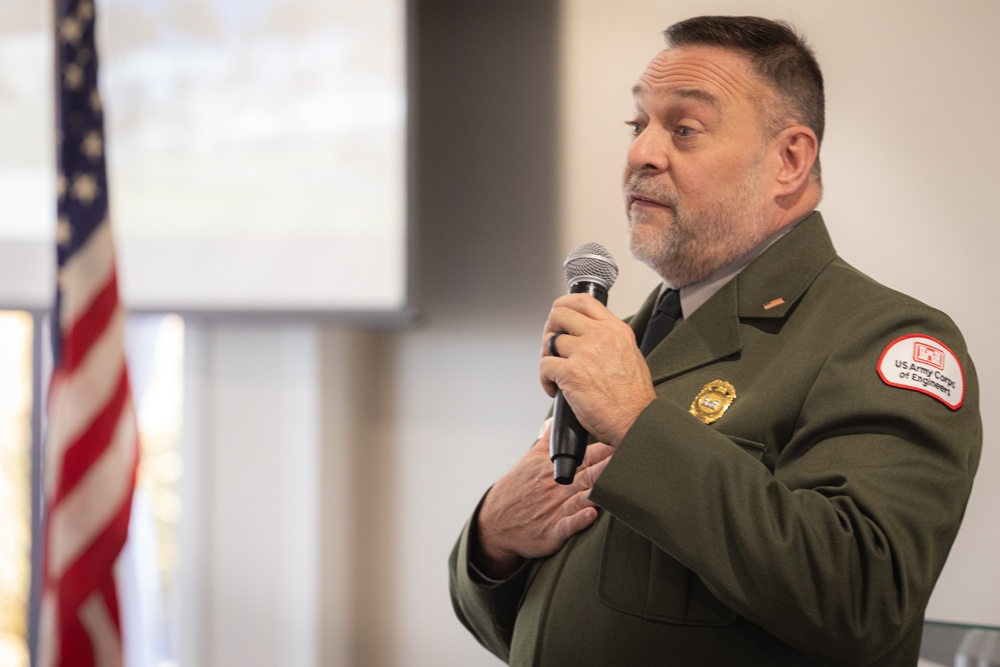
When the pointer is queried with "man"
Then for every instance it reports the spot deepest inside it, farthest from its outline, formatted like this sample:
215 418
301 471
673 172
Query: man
777 482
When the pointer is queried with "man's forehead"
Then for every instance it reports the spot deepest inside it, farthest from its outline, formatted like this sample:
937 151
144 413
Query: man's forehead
709 74
694 94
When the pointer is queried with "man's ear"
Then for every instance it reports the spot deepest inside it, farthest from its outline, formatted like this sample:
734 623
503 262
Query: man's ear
797 148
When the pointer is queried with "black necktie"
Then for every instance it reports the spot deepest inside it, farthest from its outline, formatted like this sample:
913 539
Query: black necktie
664 318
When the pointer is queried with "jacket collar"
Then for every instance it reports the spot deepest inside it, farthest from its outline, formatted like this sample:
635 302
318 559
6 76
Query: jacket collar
769 287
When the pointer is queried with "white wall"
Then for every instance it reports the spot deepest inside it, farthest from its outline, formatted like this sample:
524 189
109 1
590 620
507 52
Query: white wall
394 435
250 532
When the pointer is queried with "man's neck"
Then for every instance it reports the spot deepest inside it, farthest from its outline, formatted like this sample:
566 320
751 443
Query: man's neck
700 291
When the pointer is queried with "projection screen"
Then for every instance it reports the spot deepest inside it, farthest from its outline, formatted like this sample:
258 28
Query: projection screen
256 154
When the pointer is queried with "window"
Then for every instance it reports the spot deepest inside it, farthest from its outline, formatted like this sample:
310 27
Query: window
155 347
16 331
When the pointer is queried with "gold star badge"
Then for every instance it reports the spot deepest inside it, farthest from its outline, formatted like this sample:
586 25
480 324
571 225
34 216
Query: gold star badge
713 401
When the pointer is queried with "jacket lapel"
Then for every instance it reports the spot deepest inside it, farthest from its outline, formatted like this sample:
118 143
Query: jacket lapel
710 334
767 288
773 283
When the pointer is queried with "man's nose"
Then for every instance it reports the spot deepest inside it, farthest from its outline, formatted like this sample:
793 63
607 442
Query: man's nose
647 151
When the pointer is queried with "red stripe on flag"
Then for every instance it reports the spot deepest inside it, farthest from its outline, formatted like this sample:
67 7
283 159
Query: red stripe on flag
92 443
75 649
87 573
90 326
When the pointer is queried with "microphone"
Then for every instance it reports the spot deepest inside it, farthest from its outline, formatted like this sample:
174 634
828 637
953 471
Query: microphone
589 269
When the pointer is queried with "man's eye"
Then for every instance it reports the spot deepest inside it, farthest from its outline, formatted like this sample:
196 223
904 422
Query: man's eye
684 131
634 126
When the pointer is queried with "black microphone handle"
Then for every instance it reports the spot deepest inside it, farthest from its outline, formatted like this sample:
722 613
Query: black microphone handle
568 439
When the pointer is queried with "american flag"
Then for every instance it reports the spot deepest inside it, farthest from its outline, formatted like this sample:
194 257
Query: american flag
91 447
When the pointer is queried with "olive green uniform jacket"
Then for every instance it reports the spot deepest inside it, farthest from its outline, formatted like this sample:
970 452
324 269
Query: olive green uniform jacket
806 526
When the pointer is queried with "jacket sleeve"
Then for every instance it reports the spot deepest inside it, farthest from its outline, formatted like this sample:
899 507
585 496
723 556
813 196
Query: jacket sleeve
835 541
487 610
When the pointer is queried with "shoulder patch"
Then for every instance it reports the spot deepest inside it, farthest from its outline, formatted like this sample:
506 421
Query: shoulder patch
924 364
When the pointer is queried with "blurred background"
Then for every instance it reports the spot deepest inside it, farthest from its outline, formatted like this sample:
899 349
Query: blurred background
309 460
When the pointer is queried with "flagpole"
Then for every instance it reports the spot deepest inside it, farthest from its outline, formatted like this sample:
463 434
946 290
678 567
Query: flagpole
38 347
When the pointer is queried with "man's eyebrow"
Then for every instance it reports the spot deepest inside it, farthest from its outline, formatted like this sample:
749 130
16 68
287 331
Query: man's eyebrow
686 93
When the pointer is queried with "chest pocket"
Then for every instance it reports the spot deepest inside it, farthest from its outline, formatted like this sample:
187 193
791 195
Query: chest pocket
639 579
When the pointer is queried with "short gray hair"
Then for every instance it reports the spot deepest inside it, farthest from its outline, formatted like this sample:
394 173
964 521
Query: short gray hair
777 53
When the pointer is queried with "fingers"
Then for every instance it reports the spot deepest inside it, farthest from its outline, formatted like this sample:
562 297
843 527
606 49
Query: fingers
596 453
551 345
588 474
584 304
528 515
571 313
557 343
600 370
569 526
591 339
574 320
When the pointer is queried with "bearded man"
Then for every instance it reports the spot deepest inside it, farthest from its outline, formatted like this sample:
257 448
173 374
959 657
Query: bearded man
779 480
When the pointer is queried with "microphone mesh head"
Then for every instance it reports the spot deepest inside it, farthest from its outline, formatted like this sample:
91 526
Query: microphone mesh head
590 261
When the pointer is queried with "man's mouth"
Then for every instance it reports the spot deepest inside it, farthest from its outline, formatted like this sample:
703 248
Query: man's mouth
643 200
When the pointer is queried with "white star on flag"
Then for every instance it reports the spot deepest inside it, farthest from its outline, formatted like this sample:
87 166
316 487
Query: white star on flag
84 188
93 145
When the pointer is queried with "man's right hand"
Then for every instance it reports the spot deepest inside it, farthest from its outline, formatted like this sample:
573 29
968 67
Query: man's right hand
528 515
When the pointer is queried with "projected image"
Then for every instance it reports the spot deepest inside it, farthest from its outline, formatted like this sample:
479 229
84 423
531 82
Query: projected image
268 132
247 112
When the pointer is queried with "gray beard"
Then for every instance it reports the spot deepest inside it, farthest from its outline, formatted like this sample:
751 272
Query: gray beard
697 243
